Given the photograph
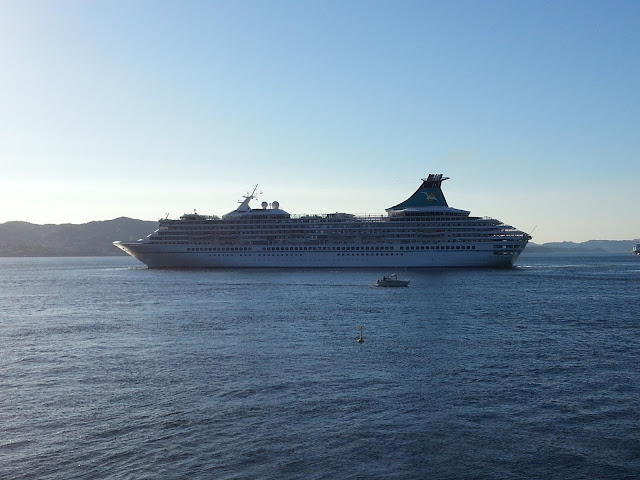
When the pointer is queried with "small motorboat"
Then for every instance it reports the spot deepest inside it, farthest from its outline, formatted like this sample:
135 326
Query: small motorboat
392 281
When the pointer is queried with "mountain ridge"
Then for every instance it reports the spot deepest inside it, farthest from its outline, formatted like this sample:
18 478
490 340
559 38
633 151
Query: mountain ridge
588 246
24 239
95 238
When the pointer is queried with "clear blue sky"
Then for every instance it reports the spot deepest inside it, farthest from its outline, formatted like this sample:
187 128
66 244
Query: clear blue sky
142 108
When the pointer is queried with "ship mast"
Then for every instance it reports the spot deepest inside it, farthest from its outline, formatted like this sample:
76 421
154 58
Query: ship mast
244 204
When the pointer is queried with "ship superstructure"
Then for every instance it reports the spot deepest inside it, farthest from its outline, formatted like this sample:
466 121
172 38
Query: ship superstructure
423 231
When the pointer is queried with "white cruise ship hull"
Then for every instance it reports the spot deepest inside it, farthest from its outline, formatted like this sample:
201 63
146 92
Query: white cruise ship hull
155 256
421 232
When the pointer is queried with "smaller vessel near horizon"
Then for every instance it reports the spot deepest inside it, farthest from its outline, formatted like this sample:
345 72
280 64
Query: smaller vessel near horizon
636 249
392 281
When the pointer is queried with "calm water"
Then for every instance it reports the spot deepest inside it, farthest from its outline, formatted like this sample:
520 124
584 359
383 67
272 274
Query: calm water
112 371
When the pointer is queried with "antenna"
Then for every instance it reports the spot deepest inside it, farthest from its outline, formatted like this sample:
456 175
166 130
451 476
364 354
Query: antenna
249 196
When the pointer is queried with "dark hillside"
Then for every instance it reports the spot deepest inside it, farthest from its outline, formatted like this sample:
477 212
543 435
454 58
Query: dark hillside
588 247
22 239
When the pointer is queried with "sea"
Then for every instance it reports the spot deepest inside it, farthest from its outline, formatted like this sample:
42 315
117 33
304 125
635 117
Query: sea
110 370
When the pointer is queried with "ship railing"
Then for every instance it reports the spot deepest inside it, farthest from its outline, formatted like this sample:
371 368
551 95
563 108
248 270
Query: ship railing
367 217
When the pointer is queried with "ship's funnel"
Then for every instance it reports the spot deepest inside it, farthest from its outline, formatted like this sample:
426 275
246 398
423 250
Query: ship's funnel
428 195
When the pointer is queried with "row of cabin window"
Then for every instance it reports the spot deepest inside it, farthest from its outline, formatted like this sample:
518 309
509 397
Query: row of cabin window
241 249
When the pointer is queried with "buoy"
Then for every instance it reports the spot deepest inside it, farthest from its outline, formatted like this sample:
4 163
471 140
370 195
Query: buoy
360 340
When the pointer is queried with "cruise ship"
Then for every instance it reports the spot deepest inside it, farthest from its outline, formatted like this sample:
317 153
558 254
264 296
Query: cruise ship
421 232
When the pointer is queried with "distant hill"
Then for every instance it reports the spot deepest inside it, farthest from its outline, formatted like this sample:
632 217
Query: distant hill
590 246
22 239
